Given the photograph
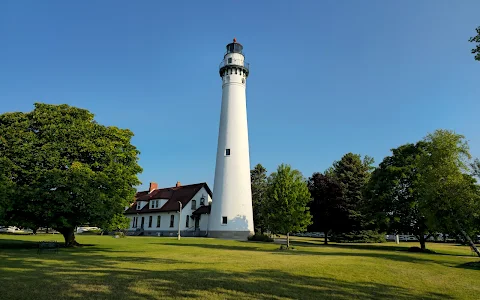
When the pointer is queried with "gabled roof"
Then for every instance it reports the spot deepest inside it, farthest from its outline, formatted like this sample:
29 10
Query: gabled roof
183 193
204 209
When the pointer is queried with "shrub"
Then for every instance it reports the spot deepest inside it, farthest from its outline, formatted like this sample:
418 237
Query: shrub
120 234
92 232
363 236
260 238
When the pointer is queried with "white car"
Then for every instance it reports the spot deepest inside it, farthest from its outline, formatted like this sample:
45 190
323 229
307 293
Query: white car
9 229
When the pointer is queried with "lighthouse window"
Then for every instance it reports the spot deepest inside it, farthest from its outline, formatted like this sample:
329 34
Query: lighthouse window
227 152
230 60
224 220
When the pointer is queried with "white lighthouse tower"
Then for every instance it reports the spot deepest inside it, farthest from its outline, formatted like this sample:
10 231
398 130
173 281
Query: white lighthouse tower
232 215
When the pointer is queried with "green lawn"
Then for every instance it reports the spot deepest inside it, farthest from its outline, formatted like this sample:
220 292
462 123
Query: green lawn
160 268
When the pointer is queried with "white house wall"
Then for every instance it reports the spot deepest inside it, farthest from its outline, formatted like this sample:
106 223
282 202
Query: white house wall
165 219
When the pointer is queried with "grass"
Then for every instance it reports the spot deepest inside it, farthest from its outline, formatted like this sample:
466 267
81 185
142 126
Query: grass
164 268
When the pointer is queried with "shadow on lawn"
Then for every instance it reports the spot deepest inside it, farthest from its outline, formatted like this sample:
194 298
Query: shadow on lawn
72 274
393 253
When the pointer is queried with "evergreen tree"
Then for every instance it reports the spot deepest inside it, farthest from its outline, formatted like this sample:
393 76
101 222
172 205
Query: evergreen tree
258 178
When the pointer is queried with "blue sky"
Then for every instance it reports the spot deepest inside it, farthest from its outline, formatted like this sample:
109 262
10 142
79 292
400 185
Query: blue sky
327 77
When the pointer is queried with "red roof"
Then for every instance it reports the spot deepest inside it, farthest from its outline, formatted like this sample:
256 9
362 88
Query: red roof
183 193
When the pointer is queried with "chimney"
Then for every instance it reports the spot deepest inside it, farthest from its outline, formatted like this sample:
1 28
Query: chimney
178 184
153 186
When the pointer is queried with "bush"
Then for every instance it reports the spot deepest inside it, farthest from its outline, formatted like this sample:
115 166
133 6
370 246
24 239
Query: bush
93 232
120 234
363 236
284 247
260 238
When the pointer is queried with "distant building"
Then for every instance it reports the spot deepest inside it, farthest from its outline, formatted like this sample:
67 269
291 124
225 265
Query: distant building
156 212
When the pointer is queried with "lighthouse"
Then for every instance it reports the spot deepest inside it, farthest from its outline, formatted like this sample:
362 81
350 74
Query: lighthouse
231 213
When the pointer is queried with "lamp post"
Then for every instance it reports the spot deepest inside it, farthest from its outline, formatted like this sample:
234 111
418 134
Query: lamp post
179 215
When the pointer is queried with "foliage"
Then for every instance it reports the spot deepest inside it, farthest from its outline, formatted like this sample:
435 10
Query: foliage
258 178
328 206
393 194
361 236
286 202
260 237
67 169
6 189
451 197
476 39
353 173
476 168
117 223
92 232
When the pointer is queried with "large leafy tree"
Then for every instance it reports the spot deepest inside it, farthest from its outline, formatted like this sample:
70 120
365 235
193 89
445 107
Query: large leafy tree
258 178
67 169
476 40
6 189
394 199
451 198
353 173
286 202
327 206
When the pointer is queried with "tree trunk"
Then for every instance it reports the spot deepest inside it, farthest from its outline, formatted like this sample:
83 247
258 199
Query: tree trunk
472 244
325 241
69 236
421 238
288 239
34 230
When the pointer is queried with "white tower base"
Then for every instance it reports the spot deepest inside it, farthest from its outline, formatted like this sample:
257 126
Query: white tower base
231 216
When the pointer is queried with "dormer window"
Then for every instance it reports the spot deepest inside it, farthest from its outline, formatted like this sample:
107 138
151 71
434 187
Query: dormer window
138 206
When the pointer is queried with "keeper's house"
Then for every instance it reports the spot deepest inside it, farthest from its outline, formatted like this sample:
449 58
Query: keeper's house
156 211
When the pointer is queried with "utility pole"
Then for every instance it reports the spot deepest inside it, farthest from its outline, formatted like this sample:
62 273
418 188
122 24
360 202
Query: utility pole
179 214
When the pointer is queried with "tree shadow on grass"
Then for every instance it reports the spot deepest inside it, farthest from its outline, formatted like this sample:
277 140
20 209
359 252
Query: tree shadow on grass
85 276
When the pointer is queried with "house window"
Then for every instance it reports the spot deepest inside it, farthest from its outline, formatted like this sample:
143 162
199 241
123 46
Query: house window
202 200
158 221
227 152
224 220
138 205
194 204
150 221
172 219
134 219
188 219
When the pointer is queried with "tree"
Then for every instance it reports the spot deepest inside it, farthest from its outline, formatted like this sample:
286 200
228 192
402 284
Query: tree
476 39
476 168
117 222
67 169
258 178
328 206
286 202
352 173
393 195
6 189
451 197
